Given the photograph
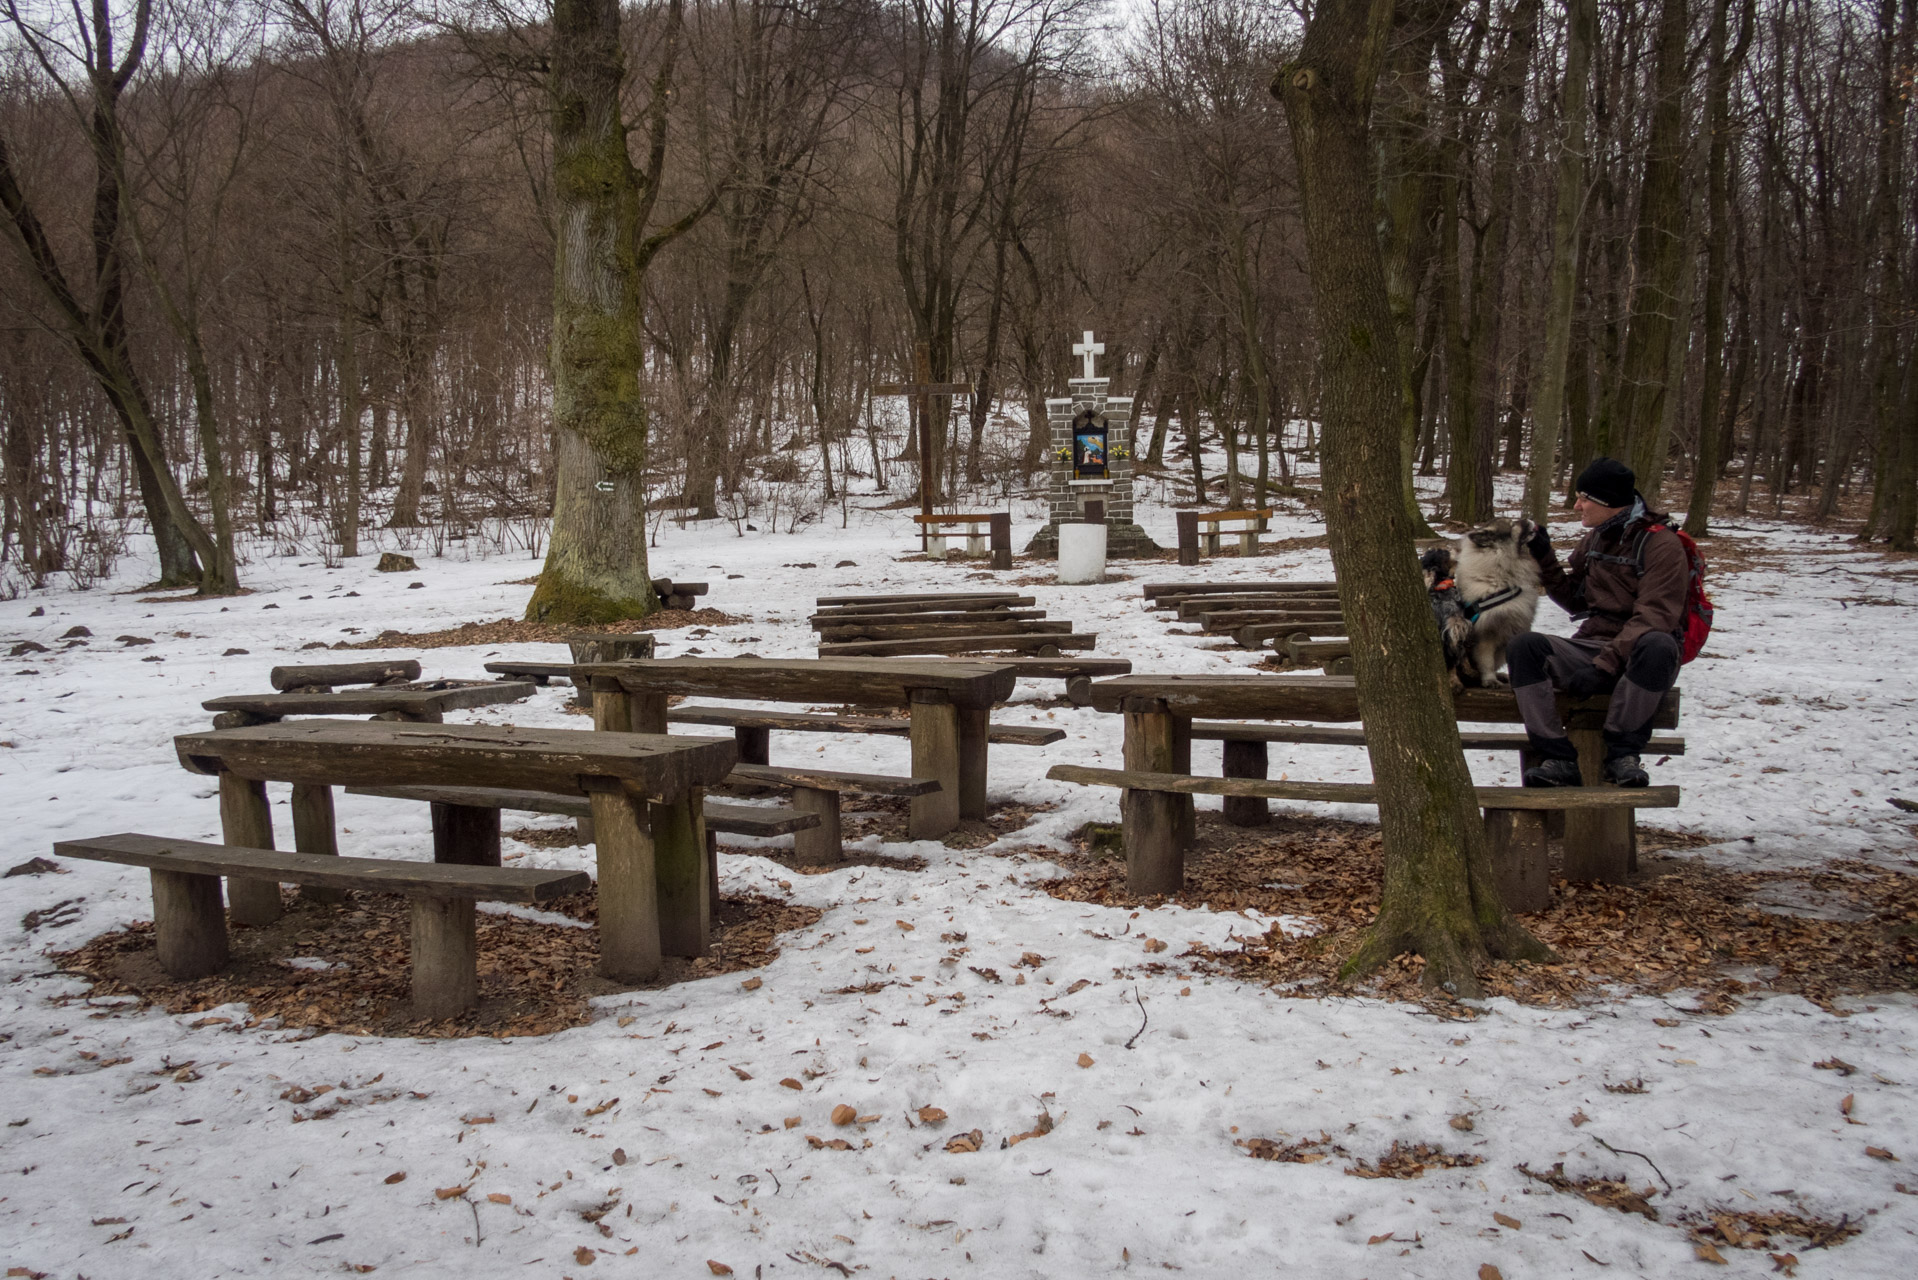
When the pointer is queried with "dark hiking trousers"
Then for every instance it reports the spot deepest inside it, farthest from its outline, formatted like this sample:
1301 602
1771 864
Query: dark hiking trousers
1540 662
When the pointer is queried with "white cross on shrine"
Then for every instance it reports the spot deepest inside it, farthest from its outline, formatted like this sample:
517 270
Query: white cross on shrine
1088 348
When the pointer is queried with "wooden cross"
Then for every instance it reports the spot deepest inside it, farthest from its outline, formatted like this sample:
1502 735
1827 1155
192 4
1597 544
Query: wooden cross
1089 349
922 389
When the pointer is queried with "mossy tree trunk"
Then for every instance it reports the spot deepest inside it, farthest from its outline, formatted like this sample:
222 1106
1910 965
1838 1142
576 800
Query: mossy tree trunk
1439 899
595 568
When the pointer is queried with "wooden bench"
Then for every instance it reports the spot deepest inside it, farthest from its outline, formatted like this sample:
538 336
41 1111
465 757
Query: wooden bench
423 702
321 677
1198 528
945 599
1044 644
1514 826
678 595
645 789
1030 622
1159 711
1245 753
189 920
997 526
957 607
868 616
752 728
1159 594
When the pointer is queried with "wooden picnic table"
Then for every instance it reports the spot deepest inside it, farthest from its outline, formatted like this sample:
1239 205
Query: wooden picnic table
1600 844
421 702
949 703
646 792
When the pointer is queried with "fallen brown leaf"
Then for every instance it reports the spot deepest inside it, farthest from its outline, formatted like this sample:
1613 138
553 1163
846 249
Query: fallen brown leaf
392 1178
1879 1153
1506 1220
961 1143
448 1193
1486 1271
792 1122
1085 1059
1463 1123
718 1268
931 1115
1154 946
1839 1065
752 984
908 928
498 1197
790 1083
1708 1253
584 1257
843 1114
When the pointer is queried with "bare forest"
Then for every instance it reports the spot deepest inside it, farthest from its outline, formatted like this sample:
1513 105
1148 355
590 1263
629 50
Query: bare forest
282 272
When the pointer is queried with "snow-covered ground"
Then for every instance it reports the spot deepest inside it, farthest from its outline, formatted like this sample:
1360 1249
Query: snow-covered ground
1800 722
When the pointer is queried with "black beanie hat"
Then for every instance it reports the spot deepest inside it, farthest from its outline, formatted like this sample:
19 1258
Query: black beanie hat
1609 482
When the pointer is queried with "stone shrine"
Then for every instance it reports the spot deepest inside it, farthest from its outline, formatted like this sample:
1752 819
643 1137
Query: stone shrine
1091 463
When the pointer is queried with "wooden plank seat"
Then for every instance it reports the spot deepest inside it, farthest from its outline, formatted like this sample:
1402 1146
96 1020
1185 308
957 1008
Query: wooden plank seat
984 625
1157 594
914 596
1514 818
1225 621
1046 644
322 676
1078 673
1260 635
190 927
420 702
735 819
751 725
1199 606
817 791
833 619
912 609
540 673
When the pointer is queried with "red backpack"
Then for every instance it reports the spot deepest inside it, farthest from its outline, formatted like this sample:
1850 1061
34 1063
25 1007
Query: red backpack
1698 606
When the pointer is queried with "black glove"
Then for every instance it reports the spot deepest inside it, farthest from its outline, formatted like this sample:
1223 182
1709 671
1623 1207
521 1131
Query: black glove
1540 545
1589 682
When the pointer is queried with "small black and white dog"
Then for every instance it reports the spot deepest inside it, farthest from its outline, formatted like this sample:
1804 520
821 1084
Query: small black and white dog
1484 591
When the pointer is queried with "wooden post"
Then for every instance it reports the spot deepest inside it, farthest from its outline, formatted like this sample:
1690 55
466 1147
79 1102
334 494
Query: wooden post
189 924
466 835
648 712
1079 690
445 966
821 845
1246 760
1188 522
628 885
683 878
583 830
712 867
1002 540
935 754
1516 840
1155 861
1182 763
612 710
314 832
973 727
247 821
1598 842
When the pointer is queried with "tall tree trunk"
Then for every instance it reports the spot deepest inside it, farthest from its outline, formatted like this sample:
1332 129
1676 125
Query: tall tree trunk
1705 471
1581 18
1659 251
1439 899
595 568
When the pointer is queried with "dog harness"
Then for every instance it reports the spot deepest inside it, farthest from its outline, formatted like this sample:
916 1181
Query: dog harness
1473 608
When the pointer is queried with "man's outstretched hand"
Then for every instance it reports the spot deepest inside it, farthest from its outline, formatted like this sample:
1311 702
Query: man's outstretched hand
1588 682
1540 545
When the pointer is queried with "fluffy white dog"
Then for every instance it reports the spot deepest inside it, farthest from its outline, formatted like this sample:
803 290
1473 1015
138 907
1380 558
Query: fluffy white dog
1498 591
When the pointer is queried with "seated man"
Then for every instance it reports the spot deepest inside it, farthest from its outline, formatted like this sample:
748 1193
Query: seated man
1627 587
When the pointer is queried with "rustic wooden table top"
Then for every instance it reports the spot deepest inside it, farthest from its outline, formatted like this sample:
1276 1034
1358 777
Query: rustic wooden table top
434 695
884 682
385 753
1325 699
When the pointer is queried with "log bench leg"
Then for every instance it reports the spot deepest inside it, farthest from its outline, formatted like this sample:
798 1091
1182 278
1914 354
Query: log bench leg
1182 763
583 830
628 888
1079 690
314 831
975 544
445 959
821 845
1248 544
1246 760
247 821
935 754
189 923
712 867
972 761
465 835
1598 842
1516 840
755 745
1154 858
683 880
1211 542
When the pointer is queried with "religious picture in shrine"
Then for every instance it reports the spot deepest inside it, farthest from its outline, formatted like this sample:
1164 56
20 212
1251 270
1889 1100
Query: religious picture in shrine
1089 447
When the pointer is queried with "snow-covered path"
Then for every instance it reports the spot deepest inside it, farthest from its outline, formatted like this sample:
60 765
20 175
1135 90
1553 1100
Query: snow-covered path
1798 734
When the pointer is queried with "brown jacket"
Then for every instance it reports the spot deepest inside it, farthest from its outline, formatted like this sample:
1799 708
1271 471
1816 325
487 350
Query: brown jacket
1616 601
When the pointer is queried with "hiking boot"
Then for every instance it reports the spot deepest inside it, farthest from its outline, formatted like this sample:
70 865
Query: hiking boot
1554 773
1626 771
